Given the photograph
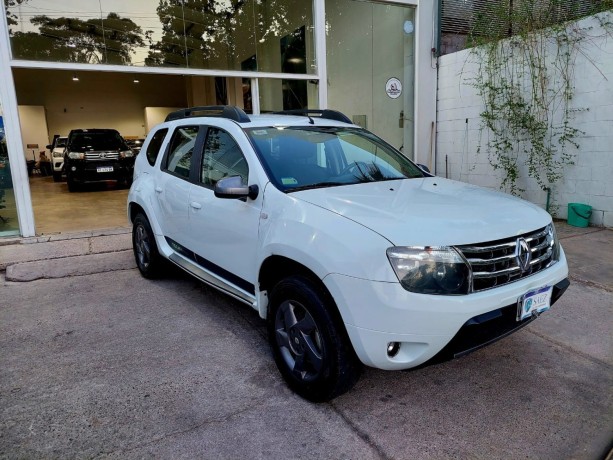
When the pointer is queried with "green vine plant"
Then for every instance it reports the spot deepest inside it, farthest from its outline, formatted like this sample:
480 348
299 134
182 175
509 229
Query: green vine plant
526 51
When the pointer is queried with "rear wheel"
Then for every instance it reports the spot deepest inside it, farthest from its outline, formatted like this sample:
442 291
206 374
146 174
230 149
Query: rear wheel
309 343
148 259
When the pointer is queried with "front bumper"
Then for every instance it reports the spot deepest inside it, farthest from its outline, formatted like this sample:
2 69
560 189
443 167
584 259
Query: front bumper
377 313
89 171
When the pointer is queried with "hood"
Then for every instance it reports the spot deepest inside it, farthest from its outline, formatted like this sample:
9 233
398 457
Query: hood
431 211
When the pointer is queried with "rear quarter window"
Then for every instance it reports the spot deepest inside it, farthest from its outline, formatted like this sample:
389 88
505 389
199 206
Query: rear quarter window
155 144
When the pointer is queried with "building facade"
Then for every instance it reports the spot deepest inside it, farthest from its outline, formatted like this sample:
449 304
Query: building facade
124 64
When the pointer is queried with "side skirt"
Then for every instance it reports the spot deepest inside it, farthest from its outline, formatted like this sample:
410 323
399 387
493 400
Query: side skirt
212 280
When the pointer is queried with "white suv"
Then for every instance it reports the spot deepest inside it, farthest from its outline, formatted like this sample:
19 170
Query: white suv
352 253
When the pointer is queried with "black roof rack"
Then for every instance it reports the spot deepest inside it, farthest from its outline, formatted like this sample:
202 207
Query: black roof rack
225 111
328 114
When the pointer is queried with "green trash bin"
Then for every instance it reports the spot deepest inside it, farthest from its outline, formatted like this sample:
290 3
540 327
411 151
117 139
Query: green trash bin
579 214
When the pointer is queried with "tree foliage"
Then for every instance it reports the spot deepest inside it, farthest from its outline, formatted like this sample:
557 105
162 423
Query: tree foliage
527 86
109 41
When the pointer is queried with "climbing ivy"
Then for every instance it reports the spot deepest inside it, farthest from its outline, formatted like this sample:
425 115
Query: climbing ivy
526 52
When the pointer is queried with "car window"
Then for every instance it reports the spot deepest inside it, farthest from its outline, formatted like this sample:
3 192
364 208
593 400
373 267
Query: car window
222 158
96 140
153 149
307 157
182 144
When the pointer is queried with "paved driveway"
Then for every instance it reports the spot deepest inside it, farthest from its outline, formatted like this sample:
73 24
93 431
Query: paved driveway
112 365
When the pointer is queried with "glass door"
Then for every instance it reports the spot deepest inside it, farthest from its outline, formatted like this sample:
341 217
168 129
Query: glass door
371 67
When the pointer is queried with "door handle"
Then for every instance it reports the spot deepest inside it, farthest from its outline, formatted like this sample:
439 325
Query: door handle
195 205
158 189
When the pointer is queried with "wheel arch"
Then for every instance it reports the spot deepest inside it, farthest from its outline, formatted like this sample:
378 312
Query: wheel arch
275 268
133 209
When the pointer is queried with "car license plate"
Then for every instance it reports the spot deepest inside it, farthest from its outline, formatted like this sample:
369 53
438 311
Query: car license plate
534 302
102 169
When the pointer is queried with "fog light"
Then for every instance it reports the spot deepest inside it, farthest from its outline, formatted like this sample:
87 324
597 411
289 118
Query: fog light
392 349
74 168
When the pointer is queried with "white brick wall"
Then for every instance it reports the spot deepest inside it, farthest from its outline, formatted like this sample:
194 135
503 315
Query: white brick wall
589 180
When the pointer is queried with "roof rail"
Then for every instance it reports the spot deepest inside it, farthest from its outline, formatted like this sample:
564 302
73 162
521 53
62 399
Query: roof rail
327 113
225 111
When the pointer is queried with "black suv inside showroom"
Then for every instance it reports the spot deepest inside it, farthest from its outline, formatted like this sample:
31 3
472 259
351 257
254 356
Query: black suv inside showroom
82 132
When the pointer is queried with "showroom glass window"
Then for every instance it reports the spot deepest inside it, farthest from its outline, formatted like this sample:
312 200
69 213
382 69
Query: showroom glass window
268 36
9 225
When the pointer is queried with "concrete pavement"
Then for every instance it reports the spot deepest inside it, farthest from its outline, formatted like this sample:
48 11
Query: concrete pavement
96 361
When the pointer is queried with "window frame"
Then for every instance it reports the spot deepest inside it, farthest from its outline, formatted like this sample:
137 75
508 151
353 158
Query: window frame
196 152
158 150
198 170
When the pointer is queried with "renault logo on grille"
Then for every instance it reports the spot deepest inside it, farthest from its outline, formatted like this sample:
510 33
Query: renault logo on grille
523 255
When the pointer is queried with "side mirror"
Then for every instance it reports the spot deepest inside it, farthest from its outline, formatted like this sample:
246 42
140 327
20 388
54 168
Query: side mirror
49 147
424 168
232 187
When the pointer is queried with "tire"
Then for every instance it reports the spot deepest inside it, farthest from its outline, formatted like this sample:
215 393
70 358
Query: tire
309 342
146 254
57 176
72 185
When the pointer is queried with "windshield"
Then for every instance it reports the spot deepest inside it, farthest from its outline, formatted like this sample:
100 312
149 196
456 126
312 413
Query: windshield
300 158
97 140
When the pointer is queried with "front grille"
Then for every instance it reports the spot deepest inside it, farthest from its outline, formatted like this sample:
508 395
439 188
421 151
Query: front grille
496 263
101 156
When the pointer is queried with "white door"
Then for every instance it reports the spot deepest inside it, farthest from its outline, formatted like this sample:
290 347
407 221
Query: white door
172 184
224 232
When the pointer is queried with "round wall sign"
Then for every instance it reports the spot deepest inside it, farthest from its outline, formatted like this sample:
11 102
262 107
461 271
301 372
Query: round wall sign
393 88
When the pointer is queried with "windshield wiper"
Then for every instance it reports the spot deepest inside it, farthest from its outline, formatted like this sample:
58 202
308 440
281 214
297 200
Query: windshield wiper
317 185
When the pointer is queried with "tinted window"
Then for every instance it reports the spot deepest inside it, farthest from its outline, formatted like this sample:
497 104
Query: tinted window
181 149
105 140
222 158
153 149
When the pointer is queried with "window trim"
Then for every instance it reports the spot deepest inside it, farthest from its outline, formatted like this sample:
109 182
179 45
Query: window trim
196 153
198 170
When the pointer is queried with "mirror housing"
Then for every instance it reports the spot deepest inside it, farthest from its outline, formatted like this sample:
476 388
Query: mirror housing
424 168
50 146
232 187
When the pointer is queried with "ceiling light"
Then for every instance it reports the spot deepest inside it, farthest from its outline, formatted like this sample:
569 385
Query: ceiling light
74 77
136 80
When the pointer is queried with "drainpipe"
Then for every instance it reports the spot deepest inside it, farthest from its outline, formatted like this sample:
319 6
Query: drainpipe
548 190
437 48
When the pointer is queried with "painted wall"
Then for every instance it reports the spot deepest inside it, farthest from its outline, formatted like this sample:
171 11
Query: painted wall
33 130
589 180
98 99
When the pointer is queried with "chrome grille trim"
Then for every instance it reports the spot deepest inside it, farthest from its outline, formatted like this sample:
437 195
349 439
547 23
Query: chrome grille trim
495 263
97 155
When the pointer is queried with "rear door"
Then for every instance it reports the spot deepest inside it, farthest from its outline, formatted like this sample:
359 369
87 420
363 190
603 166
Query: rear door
173 182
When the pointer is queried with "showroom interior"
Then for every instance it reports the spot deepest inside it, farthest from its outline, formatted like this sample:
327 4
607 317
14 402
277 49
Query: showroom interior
69 67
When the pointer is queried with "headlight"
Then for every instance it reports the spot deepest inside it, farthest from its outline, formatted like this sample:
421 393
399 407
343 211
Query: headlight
126 154
553 242
76 155
430 270
58 154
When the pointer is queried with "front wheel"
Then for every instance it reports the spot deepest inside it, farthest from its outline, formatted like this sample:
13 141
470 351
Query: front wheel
148 259
72 185
308 341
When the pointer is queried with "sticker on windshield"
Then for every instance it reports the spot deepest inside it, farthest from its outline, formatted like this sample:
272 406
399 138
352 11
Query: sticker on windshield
288 181
260 132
